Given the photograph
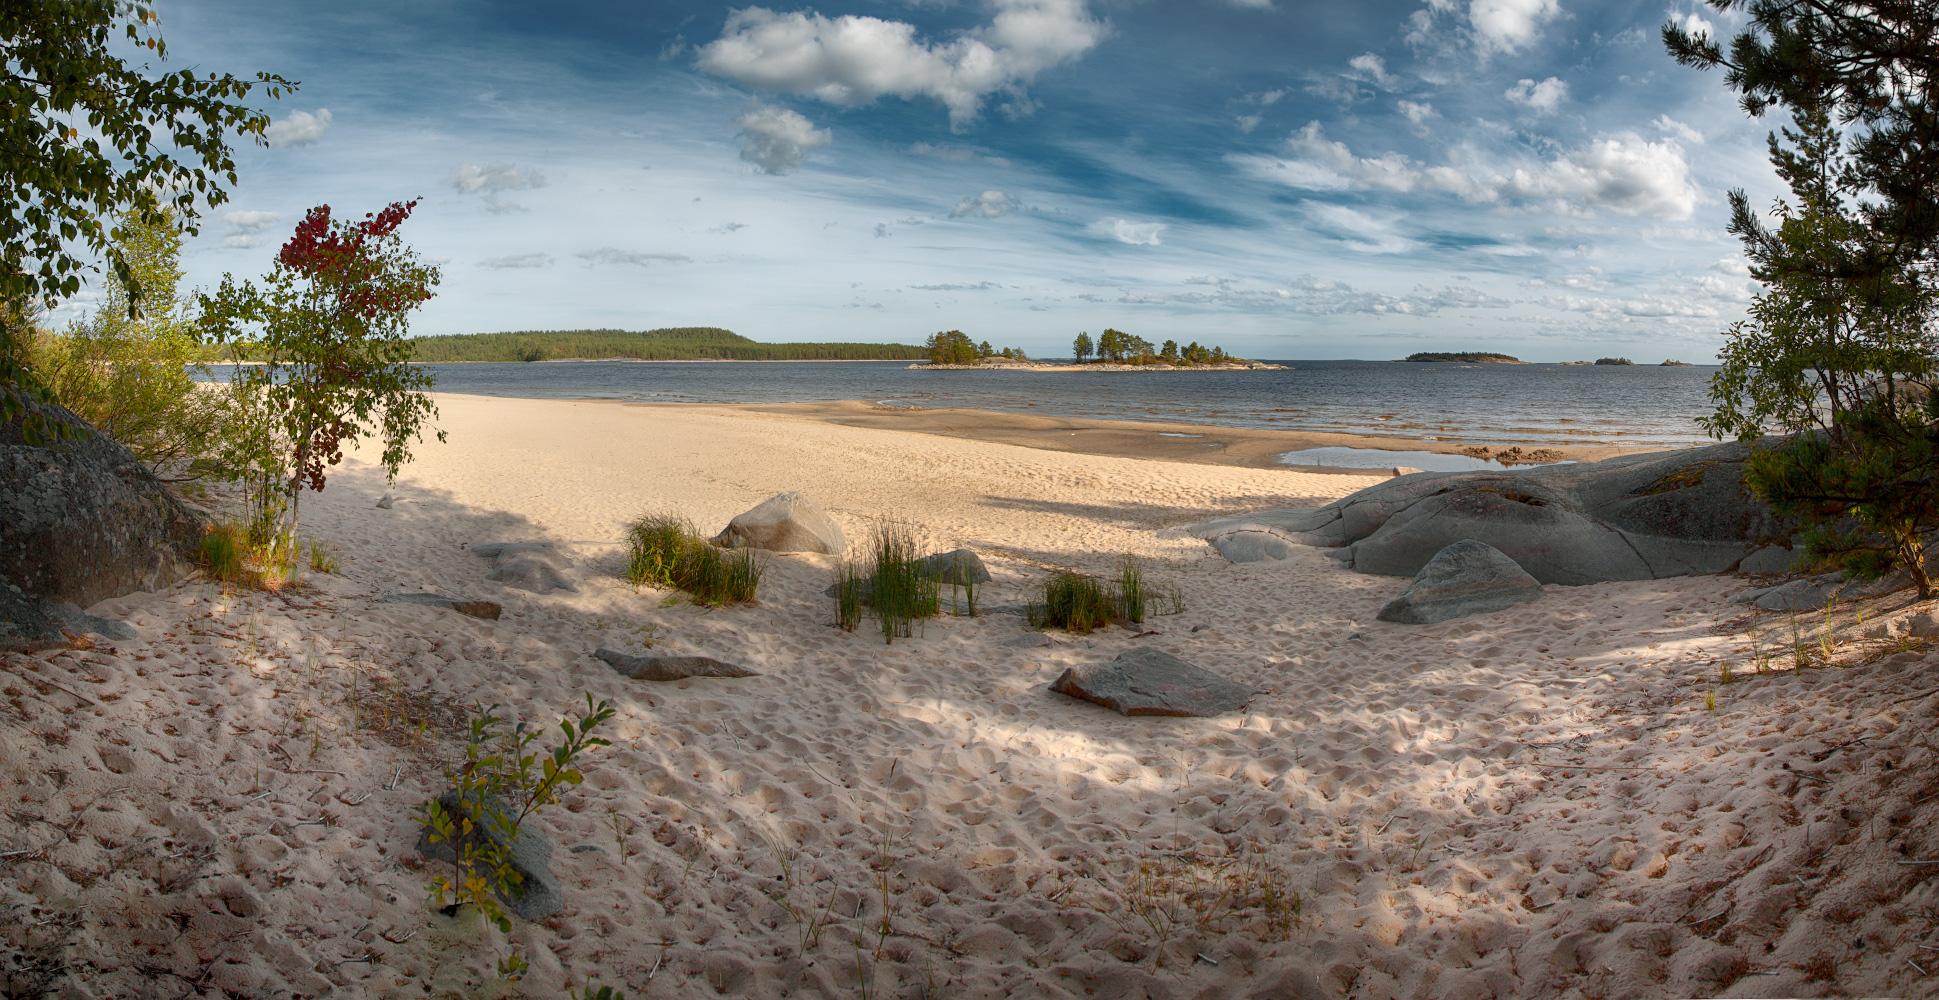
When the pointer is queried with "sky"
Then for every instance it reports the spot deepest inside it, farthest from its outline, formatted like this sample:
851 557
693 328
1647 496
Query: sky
1285 179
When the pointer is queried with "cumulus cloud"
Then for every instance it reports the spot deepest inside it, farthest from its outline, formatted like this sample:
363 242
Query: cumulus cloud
492 180
1736 267
1127 231
614 255
778 139
1623 173
1542 98
1371 68
1249 122
988 205
301 128
1418 112
241 229
1491 27
517 260
854 59
1696 25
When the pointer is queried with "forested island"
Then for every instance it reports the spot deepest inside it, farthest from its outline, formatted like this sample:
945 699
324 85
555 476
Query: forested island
689 343
1471 357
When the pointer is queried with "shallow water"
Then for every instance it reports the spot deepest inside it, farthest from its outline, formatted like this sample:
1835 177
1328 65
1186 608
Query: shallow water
1376 458
1635 406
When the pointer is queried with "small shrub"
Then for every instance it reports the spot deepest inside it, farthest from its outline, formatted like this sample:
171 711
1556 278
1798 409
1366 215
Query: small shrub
255 554
223 549
323 560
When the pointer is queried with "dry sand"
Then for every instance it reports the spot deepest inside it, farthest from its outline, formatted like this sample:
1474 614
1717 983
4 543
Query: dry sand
1531 803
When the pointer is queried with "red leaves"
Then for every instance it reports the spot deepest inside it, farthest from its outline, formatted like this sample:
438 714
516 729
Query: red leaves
337 255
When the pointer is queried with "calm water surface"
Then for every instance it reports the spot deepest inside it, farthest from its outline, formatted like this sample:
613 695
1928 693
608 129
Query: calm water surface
1640 405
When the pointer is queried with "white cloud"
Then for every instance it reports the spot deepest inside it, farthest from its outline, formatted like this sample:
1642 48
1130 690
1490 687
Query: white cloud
1671 126
1734 266
517 260
242 228
988 205
777 138
956 154
1253 4
1127 231
1492 27
1696 25
729 227
301 128
1418 112
1270 97
1509 25
854 60
1371 67
1624 173
1541 98
1326 296
614 255
1359 230
492 179
1249 122
981 286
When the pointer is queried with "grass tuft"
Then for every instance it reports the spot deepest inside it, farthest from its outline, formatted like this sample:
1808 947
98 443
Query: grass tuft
1076 603
665 551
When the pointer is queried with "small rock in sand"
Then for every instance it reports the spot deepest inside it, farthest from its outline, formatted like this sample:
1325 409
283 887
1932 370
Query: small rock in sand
669 668
488 610
960 566
1031 640
786 522
1148 681
1404 470
537 894
385 502
1465 578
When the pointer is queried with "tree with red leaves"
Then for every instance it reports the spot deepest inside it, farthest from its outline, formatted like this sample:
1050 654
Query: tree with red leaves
328 326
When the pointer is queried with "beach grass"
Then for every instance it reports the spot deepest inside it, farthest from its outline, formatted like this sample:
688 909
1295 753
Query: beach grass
666 552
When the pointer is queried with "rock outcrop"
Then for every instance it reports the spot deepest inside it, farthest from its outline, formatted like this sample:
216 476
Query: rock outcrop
1635 517
1147 681
535 566
83 520
1466 578
786 522
669 668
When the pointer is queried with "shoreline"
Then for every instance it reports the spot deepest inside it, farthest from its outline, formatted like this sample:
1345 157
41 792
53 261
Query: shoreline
1045 366
1209 444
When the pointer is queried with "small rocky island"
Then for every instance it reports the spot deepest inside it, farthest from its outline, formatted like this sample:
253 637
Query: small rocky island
953 350
1469 357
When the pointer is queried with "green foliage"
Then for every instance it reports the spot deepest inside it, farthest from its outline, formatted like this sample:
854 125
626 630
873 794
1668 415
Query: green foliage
152 139
1132 595
666 552
324 560
1614 361
131 372
254 554
588 993
673 344
1073 602
500 783
1869 492
898 586
1081 347
851 590
951 347
329 325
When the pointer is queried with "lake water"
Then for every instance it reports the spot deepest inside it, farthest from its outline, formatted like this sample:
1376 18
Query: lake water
1629 406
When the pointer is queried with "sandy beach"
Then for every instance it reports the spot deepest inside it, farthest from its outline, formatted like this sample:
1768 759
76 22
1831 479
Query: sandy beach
1559 800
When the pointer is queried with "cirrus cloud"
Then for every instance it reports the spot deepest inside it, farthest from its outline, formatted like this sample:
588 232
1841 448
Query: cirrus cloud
988 205
1127 231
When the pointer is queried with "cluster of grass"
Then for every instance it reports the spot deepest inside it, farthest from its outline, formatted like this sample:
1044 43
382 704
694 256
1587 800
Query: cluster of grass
897 586
257 554
679 344
665 551
1078 603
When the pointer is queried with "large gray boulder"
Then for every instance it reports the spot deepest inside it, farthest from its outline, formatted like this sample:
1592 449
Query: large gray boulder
1635 517
27 623
668 668
957 566
785 522
1145 681
1466 578
83 520
536 896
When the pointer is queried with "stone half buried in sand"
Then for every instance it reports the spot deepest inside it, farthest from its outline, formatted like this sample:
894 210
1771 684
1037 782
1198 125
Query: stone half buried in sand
1634 517
785 522
669 668
959 566
537 894
488 610
1466 578
538 567
1148 681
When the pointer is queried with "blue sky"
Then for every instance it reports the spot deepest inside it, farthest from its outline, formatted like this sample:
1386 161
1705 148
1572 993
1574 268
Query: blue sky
1287 179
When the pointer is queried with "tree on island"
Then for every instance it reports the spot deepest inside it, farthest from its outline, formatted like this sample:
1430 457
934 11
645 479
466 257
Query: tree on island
951 347
1081 347
149 143
329 326
1838 352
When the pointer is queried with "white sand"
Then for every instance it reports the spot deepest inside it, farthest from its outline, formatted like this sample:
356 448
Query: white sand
209 808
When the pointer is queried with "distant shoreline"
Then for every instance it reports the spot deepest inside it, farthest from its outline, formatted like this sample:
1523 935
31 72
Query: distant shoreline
1045 366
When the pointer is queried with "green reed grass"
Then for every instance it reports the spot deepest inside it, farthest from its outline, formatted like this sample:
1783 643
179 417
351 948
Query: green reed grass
1131 595
665 551
1076 603
655 543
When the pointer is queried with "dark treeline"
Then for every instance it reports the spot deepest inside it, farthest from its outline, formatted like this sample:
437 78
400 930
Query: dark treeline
676 344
